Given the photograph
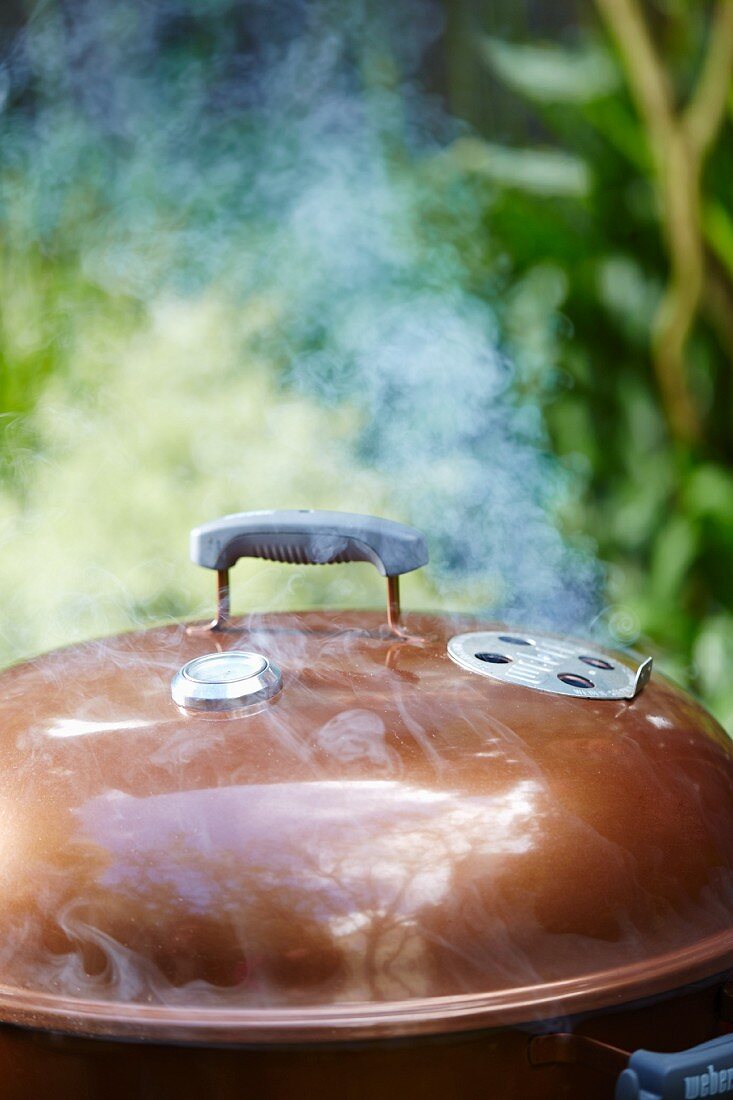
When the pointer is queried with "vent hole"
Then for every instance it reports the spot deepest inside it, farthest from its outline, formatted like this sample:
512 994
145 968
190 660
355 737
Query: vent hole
596 662
493 658
574 680
514 639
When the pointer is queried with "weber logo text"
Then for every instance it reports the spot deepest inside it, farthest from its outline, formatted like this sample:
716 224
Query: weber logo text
711 1083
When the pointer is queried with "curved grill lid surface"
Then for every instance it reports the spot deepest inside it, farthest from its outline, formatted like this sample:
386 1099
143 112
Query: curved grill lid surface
390 844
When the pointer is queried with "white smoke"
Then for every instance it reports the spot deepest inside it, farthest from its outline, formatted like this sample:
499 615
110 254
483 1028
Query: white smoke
260 280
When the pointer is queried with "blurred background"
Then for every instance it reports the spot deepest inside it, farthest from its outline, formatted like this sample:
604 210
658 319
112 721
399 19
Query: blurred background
466 264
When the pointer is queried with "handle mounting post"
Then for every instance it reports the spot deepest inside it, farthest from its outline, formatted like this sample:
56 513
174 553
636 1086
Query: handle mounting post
307 537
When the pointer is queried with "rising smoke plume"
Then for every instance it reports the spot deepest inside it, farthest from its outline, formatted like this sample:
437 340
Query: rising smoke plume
240 270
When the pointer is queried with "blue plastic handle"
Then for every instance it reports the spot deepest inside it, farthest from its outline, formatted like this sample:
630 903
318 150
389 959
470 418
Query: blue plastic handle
703 1071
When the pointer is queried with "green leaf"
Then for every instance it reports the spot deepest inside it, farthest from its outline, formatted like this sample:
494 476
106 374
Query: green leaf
613 119
708 491
550 73
538 171
675 549
713 655
629 295
718 229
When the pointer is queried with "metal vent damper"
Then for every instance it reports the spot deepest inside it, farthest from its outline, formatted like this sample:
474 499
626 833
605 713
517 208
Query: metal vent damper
545 662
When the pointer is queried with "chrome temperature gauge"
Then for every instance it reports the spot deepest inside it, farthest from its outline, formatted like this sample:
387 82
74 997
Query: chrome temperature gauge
225 682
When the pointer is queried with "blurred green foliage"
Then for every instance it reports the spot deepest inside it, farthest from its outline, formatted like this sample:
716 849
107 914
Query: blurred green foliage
580 210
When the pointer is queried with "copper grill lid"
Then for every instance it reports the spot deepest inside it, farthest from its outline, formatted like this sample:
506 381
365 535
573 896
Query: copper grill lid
379 839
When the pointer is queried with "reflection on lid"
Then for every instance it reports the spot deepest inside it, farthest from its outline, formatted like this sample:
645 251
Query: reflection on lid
77 727
296 873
